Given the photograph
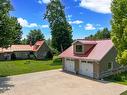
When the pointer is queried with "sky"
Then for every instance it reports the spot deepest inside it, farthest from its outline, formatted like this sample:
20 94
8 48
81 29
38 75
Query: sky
85 16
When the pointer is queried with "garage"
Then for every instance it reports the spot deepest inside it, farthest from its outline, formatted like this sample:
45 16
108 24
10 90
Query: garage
70 65
86 68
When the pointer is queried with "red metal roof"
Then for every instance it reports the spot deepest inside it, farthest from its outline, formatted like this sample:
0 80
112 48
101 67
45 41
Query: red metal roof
101 48
22 47
37 45
86 42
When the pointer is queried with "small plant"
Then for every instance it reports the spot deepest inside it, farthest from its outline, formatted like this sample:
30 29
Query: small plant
27 62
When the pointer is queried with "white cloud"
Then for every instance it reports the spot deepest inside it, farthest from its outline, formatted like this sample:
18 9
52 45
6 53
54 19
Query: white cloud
43 1
100 6
76 22
101 28
81 13
98 25
25 23
22 22
89 27
45 26
69 17
33 25
80 26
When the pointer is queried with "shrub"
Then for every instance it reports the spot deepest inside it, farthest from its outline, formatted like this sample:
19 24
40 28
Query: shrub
49 55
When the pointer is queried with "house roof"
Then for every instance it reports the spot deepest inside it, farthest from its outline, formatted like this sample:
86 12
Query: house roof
86 41
96 53
22 47
37 45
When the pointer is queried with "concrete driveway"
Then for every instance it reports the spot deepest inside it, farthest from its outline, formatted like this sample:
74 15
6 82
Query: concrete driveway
56 82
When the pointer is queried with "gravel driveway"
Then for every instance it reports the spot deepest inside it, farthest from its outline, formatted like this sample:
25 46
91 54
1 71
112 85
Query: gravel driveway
56 82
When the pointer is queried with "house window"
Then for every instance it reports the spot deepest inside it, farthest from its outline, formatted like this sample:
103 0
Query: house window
79 48
109 65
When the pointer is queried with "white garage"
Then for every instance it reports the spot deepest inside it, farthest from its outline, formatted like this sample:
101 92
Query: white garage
70 65
86 68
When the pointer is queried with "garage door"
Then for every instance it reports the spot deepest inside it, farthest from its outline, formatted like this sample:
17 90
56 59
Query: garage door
70 65
86 68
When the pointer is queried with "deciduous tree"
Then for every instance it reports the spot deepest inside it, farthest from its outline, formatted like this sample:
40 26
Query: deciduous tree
61 30
34 36
10 29
119 29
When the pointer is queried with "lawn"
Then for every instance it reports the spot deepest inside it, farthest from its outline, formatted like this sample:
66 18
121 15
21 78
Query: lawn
8 68
124 93
119 78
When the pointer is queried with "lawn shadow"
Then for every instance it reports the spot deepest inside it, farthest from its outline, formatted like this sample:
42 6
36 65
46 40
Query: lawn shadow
86 77
4 84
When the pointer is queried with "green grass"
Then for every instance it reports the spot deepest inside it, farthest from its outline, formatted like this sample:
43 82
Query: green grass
124 93
8 68
119 78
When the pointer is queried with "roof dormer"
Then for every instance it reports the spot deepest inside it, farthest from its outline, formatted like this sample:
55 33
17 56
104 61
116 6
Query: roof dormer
82 47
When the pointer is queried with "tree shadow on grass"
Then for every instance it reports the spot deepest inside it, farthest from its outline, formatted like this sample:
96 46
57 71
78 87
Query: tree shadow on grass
4 84
56 62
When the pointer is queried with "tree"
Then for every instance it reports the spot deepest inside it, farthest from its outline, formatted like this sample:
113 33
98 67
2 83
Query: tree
61 30
10 29
24 41
119 29
17 32
49 42
34 36
101 34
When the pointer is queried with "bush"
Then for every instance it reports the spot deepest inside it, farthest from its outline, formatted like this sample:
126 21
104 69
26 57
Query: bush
49 55
117 77
55 51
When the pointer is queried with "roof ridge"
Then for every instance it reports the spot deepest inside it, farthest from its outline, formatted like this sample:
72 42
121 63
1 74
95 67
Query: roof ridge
94 39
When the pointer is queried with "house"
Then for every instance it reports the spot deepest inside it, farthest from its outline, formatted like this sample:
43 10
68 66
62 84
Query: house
37 51
95 59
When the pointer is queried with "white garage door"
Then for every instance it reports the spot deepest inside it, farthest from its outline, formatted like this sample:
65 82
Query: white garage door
86 68
70 65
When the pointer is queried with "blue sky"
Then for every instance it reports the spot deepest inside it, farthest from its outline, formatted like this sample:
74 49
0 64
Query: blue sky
85 16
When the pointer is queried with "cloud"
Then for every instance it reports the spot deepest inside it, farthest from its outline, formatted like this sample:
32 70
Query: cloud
89 27
101 28
45 26
75 0
43 1
76 22
98 25
80 26
25 23
100 6
69 17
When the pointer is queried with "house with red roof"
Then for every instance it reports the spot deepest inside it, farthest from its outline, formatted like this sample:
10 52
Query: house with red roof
95 59
37 51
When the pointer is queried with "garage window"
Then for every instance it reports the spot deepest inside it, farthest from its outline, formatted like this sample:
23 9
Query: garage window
79 48
83 61
70 59
89 62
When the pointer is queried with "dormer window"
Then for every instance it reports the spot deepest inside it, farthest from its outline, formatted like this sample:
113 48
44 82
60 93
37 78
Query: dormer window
79 48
